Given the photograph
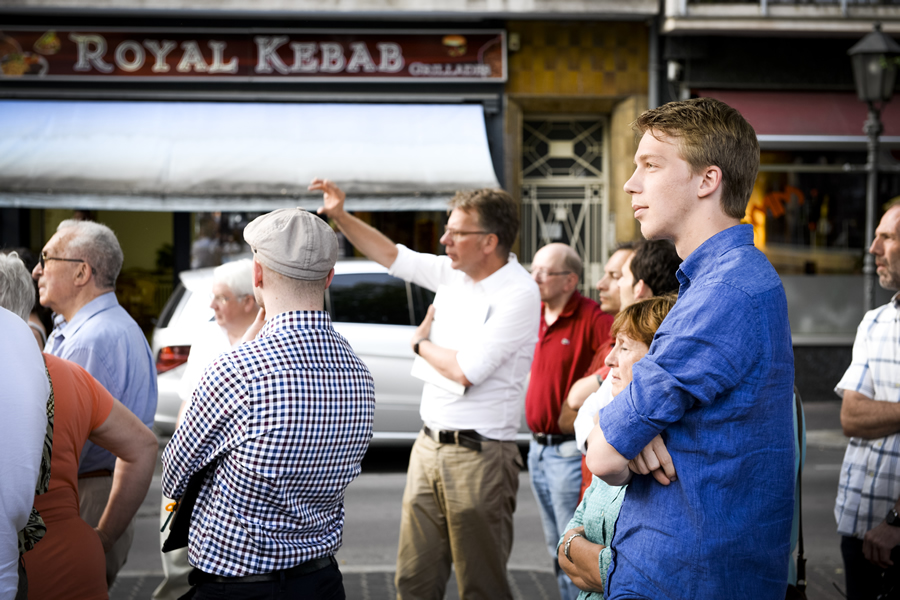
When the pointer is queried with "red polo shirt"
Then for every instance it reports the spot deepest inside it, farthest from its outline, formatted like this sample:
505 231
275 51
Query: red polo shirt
563 354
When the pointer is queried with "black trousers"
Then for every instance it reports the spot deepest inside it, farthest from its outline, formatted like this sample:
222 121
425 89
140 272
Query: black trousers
866 581
324 584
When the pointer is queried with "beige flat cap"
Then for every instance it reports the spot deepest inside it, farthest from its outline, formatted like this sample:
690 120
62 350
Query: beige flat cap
293 242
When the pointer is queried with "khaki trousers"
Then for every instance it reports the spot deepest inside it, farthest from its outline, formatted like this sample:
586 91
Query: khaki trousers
93 494
457 509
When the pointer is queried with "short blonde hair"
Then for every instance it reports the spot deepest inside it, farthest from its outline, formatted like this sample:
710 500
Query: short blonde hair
641 320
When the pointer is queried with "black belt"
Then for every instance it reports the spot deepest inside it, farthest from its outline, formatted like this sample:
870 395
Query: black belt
311 566
552 439
467 438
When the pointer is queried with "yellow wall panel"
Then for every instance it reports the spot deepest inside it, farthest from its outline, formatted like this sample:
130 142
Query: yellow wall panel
587 58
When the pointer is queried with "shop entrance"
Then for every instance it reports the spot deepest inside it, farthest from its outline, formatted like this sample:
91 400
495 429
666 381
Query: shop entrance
564 182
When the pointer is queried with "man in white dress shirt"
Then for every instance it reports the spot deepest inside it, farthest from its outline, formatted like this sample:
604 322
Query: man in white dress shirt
464 468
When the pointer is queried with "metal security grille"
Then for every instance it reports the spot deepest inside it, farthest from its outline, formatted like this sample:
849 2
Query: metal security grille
564 182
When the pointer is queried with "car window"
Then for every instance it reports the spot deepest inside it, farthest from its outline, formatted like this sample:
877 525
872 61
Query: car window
421 299
368 298
169 309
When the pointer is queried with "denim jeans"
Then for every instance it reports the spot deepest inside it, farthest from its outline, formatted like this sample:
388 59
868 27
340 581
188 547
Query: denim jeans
555 473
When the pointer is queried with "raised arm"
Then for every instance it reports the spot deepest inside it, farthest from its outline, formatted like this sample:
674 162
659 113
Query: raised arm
135 447
868 419
368 240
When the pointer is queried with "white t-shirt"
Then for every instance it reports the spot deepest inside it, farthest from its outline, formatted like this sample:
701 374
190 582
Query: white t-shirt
584 422
23 397
498 356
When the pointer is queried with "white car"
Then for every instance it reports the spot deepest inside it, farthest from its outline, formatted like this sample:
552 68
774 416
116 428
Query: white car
376 312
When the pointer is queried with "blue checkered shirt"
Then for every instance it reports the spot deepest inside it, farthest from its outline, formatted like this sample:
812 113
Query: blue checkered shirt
869 484
289 417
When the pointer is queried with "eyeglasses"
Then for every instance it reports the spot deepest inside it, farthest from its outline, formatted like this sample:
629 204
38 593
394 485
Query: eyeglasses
44 258
456 233
224 299
542 274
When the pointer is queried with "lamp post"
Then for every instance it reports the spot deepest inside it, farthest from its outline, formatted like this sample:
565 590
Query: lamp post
874 72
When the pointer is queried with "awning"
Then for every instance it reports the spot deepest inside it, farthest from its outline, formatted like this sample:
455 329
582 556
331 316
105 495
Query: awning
808 119
203 156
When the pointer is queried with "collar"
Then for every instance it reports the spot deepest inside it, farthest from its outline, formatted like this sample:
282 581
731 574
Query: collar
96 306
569 309
296 319
497 280
703 259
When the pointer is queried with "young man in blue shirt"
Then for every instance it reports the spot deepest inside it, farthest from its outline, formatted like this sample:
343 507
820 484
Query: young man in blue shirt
716 386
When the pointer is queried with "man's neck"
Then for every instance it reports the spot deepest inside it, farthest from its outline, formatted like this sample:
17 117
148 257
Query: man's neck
554 307
701 230
491 265
78 302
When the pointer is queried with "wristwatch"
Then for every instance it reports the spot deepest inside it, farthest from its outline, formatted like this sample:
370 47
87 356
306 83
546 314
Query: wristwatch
416 345
892 518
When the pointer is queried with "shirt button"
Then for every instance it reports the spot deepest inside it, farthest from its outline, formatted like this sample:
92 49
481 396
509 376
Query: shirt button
871 473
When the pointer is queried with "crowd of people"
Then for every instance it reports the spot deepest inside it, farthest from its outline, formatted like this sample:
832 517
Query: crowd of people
664 450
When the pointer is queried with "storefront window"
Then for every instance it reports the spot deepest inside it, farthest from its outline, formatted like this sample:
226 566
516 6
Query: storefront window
808 211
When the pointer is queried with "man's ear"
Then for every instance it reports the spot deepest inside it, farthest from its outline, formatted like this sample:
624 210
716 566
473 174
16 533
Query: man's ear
710 182
83 274
642 291
257 275
329 278
490 244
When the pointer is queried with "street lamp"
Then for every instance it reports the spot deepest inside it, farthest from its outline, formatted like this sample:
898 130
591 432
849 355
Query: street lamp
874 72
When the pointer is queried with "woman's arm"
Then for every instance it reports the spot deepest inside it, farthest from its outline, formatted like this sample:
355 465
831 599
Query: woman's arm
584 567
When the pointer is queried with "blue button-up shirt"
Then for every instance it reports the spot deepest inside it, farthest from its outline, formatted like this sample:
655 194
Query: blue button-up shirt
717 383
104 339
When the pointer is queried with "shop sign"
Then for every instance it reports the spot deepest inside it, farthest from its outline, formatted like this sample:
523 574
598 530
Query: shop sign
252 55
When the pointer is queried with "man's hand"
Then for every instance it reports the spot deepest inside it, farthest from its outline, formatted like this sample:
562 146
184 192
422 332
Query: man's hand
655 459
878 543
255 326
333 197
424 329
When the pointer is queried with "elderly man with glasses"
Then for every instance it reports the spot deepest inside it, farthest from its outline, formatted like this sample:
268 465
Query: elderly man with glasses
76 278
572 331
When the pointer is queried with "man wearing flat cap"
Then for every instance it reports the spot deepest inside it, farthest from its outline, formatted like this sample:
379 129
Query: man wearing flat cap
284 420
464 468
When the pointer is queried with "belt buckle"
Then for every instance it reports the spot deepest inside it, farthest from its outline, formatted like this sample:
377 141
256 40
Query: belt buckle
446 437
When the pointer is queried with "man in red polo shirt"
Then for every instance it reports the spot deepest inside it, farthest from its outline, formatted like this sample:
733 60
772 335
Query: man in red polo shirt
572 329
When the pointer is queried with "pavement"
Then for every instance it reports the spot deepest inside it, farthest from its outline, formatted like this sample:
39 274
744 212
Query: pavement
368 574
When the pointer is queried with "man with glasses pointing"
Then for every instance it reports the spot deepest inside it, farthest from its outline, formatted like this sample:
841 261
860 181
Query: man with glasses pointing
76 279
464 468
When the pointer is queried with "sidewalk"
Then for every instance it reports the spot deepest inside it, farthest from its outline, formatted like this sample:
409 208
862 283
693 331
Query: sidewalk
526 585
538 583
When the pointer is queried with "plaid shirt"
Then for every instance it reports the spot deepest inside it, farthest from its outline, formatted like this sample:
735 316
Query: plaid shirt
870 476
289 417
